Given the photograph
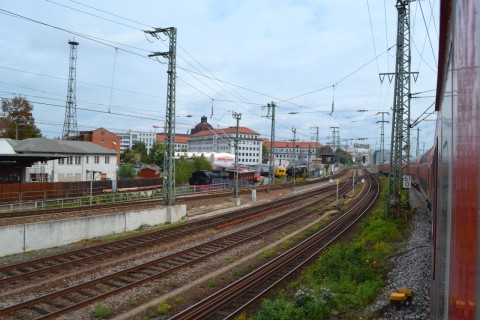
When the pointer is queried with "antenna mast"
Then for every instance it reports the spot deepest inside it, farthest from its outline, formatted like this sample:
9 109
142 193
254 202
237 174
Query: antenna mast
70 129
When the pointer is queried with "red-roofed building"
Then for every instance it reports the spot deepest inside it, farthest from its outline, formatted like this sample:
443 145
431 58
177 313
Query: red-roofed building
104 138
181 141
222 140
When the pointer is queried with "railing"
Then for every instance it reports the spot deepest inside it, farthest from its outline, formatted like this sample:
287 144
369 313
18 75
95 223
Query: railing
53 199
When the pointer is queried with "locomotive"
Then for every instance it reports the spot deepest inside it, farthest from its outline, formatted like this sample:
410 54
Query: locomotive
212 177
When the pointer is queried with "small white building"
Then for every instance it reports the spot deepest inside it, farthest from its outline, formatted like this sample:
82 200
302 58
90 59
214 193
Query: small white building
77 160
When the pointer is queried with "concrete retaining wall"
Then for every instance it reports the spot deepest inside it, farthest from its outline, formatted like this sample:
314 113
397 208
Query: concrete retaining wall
49 234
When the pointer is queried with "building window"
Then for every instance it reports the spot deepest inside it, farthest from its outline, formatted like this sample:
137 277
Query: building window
102 141
78 160
96 159
102 133
107 159
70 160
61 161
86 159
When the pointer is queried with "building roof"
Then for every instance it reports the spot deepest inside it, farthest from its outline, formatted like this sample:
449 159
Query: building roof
5 147
298 144
98 129
202 126
47 146
241 130
8 156
179 138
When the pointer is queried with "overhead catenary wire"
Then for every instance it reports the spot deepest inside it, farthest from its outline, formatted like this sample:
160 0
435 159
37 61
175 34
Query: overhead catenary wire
305 109
113 21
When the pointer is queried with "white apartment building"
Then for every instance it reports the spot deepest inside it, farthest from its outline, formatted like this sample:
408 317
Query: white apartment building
128 139
223 140
287 152
75 160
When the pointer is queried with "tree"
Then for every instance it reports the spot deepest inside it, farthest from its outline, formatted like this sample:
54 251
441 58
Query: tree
201 163
19 121
127 171
130 156
265 155
157 154
183 170
141 148
343 157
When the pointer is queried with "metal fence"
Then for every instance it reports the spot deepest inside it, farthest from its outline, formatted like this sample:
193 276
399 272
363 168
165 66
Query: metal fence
90 193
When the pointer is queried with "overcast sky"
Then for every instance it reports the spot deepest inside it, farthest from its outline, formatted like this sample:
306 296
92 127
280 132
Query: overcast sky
232 56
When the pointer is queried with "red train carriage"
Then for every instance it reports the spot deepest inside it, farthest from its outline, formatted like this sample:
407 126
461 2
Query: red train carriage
420 170
455 165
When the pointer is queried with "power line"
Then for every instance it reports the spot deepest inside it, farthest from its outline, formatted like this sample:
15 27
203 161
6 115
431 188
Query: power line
428 33
112 14
110 20
91 14
373 37
112 44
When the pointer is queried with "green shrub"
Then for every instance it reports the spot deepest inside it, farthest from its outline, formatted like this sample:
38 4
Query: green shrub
212 283
352 272
102 311
163 308
280 309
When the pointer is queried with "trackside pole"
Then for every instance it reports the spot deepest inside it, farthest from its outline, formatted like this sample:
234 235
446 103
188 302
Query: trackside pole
338 182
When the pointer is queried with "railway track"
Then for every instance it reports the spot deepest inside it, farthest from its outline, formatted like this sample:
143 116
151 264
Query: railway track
28 269
237 297
64 301
143 203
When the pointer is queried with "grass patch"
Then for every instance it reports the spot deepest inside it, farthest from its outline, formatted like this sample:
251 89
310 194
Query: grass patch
179 299
267 254
231 259
102 311
163 308
347 277
212 284
237 272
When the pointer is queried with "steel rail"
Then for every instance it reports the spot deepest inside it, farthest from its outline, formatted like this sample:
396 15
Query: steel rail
42 265
217 305
77 296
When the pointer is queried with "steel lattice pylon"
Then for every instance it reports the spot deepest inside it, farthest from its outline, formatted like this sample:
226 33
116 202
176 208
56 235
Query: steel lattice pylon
400 139
70 128
271 165
169 159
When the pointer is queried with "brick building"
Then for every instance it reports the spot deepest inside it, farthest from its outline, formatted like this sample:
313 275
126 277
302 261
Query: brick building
104 138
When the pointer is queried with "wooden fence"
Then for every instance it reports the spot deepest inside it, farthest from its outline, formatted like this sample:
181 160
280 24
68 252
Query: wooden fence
17 192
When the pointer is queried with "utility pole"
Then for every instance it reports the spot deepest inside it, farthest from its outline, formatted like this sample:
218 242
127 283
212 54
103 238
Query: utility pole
271 173
382 135
294 167
418 142
309 159
70 128
400 140
236 116
169 159
316 141
335 141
